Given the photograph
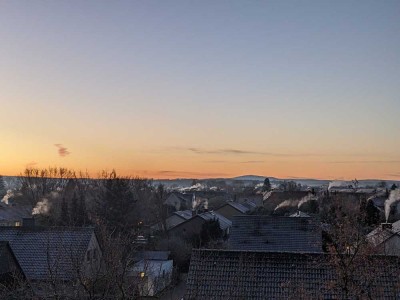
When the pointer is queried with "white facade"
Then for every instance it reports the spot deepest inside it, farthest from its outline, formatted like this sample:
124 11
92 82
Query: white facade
152 275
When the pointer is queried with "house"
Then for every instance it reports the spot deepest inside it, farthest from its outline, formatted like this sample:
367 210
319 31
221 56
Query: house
151 273
194 225
230 209
176 218
54 253
9 266
385 239
275 233
11 214
233 274
256 200
179 201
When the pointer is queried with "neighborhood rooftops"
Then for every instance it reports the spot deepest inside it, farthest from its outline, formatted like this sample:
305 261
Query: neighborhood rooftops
222 274
45 252
240 207
275 233
224 223
380 234
185 214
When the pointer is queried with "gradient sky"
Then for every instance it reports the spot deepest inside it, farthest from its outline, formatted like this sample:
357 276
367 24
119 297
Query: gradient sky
170 89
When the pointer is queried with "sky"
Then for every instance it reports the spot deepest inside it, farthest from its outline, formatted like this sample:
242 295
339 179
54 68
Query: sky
196 89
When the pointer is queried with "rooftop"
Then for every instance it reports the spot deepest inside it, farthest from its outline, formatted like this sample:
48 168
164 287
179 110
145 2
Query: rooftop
221 274
185 214
275 233
224 223
38 248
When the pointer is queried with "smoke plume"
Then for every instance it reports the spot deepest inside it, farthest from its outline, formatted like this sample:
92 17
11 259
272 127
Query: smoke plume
394 197
42 207
287 204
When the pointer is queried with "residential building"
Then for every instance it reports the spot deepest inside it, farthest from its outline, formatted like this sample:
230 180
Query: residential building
193 226
11 214
275 233
386 238
151 273
223 274
54 253
9 266
230 209
174 219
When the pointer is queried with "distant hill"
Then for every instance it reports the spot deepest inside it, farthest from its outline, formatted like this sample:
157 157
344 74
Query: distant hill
12 181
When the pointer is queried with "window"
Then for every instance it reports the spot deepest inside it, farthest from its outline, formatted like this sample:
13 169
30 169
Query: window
94 254
88 255
142 274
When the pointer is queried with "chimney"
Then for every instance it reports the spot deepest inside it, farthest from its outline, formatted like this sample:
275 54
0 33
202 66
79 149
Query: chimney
28 223
386 226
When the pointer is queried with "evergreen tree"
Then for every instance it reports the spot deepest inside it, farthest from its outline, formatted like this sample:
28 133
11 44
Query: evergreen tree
371 214
267 185
394 186
116 203
210 230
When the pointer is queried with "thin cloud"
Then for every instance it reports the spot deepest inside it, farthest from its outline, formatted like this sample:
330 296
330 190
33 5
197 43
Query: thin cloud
245 152
394 175
62 151
234 162
366 162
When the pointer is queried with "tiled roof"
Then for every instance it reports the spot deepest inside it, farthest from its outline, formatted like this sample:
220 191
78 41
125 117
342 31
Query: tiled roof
274 233
396 226
152 255
221 274
240 207
186 214
379 235
224 223
6 255
184 197
14 212
44 251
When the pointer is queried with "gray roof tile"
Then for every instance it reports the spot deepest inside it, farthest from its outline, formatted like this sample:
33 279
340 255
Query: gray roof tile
274 233
224 223
221 274
45 252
